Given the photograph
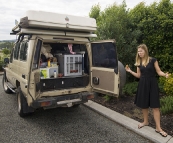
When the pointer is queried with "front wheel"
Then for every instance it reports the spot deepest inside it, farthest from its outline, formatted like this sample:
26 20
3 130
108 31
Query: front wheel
23 108
4 84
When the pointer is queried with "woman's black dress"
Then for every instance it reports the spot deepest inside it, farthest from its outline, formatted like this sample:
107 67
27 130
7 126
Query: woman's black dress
148 92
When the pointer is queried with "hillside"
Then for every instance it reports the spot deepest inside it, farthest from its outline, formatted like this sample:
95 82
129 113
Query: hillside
6 44
8 40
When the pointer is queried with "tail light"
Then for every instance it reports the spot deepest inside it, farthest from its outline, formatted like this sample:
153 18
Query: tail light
90 96
46 103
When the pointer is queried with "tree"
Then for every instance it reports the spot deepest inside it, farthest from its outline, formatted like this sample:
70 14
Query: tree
152 25
95 12
8 45
6 51
114 23
156 24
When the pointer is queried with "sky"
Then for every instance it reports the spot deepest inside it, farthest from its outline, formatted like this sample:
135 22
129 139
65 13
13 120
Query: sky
11 10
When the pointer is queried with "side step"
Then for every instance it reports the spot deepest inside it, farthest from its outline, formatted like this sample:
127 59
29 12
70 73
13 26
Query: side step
11 87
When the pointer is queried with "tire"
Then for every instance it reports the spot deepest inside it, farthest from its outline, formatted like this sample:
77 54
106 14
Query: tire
22 105
4 84
122 73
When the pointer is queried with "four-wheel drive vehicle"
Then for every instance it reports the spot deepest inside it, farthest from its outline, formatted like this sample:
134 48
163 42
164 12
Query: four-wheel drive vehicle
54 64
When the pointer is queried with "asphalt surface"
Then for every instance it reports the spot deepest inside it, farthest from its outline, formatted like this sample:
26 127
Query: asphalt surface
60 125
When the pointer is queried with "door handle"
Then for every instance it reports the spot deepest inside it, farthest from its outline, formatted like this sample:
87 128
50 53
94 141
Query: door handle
23 76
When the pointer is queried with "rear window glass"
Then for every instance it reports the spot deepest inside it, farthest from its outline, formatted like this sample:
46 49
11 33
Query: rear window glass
104 55
37 55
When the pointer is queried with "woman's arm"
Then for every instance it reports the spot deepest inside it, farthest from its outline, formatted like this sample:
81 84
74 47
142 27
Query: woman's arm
158 70
137 75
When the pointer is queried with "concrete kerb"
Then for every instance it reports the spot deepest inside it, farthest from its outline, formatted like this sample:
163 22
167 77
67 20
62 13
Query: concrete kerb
147 132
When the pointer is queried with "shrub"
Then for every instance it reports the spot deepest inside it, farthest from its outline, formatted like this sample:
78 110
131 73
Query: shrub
2 60
130 88
6 51
166 104
168 86
107 97
161 84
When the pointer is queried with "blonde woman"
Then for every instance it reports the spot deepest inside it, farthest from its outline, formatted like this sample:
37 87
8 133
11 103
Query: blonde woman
147 93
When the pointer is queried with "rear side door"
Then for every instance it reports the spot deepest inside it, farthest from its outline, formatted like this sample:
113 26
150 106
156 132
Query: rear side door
104 67
34 74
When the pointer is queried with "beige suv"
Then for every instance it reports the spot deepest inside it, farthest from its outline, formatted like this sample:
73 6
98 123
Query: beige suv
54 64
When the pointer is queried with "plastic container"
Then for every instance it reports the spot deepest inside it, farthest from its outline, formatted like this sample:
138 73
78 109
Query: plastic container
48 72
52 71
53 64
70 65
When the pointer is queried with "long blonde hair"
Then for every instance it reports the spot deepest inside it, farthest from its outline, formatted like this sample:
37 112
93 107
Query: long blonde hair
146 56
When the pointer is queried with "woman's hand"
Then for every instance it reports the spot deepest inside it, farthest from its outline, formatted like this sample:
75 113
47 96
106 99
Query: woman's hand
167 75
127 68
137 75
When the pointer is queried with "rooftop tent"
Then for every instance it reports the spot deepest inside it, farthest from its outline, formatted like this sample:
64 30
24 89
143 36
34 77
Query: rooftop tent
55 21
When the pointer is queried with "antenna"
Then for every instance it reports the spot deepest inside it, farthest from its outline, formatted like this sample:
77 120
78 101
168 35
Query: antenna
16 22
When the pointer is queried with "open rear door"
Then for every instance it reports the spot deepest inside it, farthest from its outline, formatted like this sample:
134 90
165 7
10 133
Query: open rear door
104 68
34 77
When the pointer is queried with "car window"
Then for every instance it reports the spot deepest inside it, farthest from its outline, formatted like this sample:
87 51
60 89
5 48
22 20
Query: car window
37 55
104 55
23 51
16 50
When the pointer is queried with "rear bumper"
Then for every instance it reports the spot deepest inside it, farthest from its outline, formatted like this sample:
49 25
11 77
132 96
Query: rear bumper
65 100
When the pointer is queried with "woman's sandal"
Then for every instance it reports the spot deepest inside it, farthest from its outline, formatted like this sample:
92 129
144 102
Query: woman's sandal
162 133
142 125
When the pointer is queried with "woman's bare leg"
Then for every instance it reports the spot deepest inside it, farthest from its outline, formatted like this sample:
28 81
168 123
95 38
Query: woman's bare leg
145 116
156 113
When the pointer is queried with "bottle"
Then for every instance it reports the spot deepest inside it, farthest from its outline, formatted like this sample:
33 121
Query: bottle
55 76
48 63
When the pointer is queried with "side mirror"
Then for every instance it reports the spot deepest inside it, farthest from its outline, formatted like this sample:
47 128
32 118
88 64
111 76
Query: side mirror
6 60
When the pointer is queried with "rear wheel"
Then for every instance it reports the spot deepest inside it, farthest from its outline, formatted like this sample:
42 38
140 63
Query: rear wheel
4 84
23 108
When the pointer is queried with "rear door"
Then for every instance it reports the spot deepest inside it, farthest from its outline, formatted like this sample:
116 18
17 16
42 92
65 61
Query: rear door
104 67
34 76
